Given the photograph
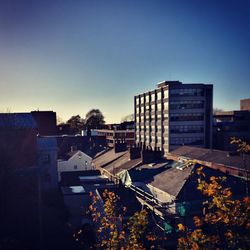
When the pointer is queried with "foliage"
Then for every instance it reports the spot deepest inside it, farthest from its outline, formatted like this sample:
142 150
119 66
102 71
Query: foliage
111 229
94 119
76 124
226 222
128 118
242 146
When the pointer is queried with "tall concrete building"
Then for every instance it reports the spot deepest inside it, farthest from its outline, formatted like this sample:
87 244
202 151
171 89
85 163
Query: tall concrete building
174 114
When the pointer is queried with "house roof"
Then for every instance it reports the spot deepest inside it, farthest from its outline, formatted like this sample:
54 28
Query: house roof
114 163
215 156
106 158
89 145
74 152
171 180
122 163
17 120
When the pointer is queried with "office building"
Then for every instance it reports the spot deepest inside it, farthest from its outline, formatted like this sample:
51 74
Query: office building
229 124
174 114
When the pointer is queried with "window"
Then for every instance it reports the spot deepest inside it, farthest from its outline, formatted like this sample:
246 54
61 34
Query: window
137 100
187 92
187 104
187 117
165 93
159 106
187 141
75 166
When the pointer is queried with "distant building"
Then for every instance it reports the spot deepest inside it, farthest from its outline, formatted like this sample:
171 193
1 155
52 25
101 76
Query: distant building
174 114
245 104
114 135
228 124
126 125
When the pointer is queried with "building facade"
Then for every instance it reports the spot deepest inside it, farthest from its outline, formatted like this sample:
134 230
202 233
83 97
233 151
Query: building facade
228 124
174 114
114 135
76 161
245 104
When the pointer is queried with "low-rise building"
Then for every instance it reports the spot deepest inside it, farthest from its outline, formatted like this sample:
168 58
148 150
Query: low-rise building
75 161
114 135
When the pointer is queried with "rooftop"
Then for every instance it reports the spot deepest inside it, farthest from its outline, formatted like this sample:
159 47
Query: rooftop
17 120
215 156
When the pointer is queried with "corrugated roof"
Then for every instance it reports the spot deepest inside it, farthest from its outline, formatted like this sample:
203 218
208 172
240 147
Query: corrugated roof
17 120
215 156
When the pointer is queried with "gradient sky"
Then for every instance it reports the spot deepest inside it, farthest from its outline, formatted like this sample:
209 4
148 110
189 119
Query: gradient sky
73 55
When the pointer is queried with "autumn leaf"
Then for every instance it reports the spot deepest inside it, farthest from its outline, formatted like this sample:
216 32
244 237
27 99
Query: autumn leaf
197 221
181 227
195 246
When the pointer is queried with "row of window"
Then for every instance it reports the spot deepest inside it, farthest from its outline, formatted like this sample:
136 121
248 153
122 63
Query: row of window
152 139
152 97
187 141
152 118
187 129
187 92
187 117
192 104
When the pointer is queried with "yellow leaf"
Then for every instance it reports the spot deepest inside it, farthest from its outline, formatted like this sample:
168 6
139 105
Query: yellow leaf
181 227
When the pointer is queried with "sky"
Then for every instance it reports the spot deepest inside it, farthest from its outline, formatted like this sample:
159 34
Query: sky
70 56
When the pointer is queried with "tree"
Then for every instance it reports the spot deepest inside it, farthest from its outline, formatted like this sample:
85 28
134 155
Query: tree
226 222
59 120
111 230
94 119
76 124
128 118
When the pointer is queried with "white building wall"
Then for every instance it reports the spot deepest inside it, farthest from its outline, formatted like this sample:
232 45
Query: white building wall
78 162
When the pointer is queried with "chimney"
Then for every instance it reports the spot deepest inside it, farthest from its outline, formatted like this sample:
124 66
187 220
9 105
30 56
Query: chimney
120 146
150 156
135 152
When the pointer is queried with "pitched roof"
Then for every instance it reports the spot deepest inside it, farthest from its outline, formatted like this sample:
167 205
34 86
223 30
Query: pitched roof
171 180
17 120
107 157
74 152
215 156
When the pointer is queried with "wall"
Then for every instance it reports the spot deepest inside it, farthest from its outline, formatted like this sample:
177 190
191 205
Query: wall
75 163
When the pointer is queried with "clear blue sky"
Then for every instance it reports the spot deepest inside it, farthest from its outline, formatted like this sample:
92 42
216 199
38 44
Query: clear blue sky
73 55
